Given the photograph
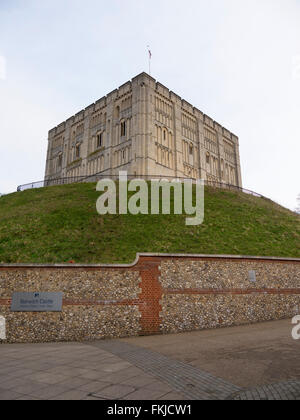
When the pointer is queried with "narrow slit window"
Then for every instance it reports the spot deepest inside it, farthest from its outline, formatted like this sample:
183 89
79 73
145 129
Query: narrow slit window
99 140
123 129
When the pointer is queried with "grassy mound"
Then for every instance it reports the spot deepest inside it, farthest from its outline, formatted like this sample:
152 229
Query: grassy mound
60 224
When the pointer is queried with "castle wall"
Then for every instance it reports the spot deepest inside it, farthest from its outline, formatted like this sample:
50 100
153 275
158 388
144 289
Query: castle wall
145 129
157 294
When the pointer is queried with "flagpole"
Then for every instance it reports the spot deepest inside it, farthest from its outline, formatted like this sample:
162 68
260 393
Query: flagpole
150 56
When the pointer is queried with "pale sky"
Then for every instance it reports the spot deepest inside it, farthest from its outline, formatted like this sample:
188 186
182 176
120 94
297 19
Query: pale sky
236 60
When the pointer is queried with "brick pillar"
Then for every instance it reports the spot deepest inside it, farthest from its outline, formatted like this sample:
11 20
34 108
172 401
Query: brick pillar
149 299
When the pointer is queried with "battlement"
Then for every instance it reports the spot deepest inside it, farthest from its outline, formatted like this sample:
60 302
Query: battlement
127 88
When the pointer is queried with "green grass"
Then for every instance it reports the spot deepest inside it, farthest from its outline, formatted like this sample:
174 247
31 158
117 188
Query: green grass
59 224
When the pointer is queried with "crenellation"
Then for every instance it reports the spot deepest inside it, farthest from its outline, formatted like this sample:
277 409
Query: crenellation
145 129
234 138
51 133
162 89
198 114
219 129
125 89
174 97
61 127
112 96
226 133
70 121
89 109
79 116
186 106
209 121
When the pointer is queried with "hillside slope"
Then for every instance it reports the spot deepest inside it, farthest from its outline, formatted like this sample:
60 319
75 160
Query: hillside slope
59 224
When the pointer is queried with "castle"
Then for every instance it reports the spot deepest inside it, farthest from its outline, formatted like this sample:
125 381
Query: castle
147 130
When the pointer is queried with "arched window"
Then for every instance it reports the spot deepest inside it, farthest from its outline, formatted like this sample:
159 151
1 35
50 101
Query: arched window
159 135
207 158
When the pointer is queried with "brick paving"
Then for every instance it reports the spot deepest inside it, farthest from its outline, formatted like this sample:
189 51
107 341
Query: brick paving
282 391
192 382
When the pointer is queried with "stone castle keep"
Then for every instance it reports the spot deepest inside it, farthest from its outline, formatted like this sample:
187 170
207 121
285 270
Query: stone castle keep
147 130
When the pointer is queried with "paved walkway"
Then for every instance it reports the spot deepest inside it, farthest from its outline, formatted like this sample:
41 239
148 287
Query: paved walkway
250 362
73 372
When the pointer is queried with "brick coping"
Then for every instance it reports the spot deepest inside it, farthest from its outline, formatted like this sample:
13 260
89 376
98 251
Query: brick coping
140 256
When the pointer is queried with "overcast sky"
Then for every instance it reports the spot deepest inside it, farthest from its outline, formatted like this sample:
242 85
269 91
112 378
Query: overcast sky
236 60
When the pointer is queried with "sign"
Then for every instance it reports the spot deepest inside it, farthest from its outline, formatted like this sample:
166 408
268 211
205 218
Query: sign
252 276
36 302
2 328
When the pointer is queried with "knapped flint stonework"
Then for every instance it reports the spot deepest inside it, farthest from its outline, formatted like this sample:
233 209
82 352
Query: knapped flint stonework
99 318
184 274
100 285
215 311
156 294
74 323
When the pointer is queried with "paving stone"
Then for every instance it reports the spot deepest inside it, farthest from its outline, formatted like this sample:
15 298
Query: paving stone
140 381
93 375
47 378
29 387
49 392
158 386
94 386
73 383
120 377
12 383
74 395
68 371
9 395
115 392
173 396
144 394
114 367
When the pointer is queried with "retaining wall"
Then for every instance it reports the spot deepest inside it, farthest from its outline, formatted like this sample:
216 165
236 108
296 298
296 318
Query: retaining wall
156 294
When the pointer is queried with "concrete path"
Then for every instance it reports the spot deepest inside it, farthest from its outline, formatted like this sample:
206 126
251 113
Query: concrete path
250 362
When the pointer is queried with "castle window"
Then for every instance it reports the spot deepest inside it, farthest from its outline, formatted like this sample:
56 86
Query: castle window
207 158
99 140
117 113
77 151
165 135
123 129
60 160
191 155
